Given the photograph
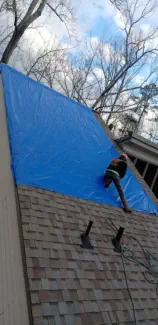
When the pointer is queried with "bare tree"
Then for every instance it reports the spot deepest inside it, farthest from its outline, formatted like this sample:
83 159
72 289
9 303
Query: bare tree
152 132
45 65
22 16
136 46
85 77
79 77
136 118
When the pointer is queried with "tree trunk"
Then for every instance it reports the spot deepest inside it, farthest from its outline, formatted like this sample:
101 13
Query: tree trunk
11 46
19 31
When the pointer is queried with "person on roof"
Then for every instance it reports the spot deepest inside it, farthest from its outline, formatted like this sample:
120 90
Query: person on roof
117 170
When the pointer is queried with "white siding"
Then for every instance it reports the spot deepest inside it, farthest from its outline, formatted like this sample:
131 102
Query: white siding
13 306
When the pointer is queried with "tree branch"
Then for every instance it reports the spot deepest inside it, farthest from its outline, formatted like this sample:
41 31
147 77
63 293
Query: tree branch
55 11
15 14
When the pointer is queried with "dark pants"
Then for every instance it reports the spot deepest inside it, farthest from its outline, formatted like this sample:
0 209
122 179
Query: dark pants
113 177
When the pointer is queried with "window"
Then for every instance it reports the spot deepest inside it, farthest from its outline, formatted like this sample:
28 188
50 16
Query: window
149 176
155 188
140 165
131 158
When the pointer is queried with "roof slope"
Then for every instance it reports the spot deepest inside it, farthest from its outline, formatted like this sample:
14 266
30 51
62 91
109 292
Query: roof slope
57 144
70 285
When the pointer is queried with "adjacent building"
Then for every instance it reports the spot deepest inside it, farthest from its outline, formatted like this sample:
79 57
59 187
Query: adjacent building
144 155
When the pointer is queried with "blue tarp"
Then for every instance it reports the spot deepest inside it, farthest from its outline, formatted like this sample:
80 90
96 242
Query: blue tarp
58 145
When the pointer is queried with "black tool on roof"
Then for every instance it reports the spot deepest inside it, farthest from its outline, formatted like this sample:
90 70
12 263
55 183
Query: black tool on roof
116 240
85 237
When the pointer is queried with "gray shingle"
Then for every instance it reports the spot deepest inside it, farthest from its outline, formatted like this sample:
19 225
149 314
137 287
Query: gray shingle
69 285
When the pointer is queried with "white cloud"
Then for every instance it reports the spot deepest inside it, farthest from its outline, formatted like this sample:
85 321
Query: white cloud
107 50
139 79
119 19
98 73
90 11
49 29
94 41
38 38
145 28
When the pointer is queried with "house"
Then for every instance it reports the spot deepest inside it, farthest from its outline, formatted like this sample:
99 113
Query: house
56 148
144 155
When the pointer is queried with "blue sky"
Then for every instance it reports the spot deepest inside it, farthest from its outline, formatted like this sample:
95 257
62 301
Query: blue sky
102 26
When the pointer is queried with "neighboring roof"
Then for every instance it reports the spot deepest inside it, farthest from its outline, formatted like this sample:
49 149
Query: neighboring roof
140 147
57 144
